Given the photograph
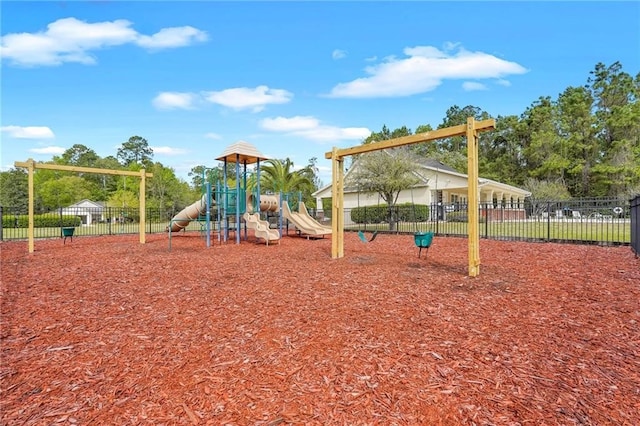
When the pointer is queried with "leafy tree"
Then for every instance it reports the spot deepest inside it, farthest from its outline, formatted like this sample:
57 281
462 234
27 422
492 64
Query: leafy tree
123 198
81 156
454 117
543 191
78 155
579 145
135 151
14 189
312 172
387 173
107 183
212 175
386 134
545 151
168 193
62 192
425 149
501 156
616 96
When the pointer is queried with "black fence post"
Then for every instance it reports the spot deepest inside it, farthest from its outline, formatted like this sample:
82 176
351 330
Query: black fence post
486 220
109 218
634 212
548 221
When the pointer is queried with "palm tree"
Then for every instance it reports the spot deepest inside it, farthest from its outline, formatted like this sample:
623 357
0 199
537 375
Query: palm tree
279 176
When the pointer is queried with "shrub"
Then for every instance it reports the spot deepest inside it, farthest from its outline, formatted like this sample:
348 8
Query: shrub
369 214
461 216
40 221
327 207
412 212
406 212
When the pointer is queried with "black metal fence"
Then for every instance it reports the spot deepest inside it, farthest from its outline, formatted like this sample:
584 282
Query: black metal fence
584 221
635 225
86 220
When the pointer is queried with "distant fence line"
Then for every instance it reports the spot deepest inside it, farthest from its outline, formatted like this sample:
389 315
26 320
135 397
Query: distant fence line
582 221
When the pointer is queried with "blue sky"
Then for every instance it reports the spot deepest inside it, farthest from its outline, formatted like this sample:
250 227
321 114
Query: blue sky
292 78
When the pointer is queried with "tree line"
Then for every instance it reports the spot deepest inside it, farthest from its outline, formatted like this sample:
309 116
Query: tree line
584 143
165 191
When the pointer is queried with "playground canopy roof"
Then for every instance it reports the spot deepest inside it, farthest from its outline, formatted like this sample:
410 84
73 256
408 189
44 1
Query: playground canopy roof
241 152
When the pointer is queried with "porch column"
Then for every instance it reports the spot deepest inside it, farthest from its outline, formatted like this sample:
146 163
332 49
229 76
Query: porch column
489 199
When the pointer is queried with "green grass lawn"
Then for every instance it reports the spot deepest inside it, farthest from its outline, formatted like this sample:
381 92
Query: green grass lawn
612 231
585 230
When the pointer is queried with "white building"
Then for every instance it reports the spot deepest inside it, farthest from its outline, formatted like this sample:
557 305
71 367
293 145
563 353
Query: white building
89 211
439 184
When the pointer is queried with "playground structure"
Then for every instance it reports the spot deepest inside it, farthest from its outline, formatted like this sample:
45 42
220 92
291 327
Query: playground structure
470 129
235 206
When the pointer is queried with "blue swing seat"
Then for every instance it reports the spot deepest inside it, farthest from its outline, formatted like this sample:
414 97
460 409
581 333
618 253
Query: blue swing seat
423 240
364 239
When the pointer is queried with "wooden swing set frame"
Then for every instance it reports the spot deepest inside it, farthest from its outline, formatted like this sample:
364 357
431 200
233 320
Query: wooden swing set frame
470 129
31 166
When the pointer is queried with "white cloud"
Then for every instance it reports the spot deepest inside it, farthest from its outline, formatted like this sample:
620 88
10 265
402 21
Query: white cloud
503 82
48 150
292 124
255 99
172 37
311 128
212 135
28 132
72 40
338 54
422 70
167 150
471 86
174 100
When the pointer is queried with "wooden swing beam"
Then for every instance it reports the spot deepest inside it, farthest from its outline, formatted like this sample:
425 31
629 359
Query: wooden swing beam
470 130
31 166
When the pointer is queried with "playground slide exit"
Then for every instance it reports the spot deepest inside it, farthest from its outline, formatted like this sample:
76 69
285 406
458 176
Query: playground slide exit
261 227
189 213
303 221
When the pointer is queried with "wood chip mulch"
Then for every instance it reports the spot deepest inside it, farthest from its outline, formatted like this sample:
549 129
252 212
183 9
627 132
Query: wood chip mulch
104 330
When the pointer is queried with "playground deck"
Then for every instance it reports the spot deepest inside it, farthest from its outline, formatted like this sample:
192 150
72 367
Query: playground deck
103 330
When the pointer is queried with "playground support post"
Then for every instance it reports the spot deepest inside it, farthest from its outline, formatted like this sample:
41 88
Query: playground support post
31 166
472 195
337 210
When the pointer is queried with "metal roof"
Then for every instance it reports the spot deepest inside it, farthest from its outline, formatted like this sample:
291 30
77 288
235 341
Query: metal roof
241 152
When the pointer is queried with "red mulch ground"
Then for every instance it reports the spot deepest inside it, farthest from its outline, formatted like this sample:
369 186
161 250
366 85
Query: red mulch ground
104 330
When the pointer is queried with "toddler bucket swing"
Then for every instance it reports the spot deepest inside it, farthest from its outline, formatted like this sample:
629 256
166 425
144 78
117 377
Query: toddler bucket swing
422 240
361 234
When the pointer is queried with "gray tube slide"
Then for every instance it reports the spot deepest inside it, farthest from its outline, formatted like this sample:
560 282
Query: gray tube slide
189 213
